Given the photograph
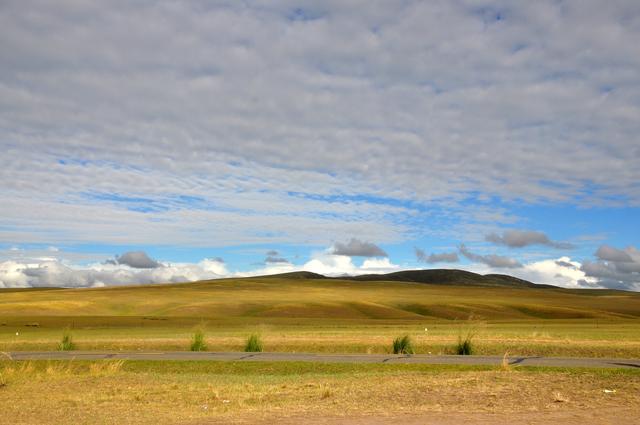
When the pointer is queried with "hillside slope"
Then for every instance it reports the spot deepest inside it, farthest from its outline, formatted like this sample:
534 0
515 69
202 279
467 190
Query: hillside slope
448 277
440 295
430 276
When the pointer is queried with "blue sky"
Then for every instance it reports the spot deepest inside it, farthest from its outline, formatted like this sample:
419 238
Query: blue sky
163 141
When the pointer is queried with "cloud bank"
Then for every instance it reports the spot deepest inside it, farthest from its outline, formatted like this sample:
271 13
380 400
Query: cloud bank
250 123
57 274
563 271
615 268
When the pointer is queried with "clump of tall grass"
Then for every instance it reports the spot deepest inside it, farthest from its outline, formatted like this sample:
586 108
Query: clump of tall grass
326 393
54 368
3 379
16 370
465 345
66 344
403 345
105 367
197 343
254 344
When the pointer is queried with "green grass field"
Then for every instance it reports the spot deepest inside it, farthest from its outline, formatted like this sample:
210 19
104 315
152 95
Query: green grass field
325 316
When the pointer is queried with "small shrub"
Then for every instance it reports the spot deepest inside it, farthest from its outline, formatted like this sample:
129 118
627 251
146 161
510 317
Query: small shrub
403 345
67 341
254 344
465 345
197 343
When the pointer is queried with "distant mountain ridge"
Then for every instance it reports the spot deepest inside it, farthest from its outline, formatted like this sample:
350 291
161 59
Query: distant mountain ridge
429 276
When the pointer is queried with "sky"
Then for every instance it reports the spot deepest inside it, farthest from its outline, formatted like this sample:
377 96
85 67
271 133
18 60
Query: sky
148 142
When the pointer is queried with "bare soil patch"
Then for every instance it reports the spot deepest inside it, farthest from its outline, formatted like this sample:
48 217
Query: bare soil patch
608 416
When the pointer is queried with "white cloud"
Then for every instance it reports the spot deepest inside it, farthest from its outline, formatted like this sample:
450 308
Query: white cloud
56 274
337 265
214 266
11 275
331 265
563 272
557 272
378 265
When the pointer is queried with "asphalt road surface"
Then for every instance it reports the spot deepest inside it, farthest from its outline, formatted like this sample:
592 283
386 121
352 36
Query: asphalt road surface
329 358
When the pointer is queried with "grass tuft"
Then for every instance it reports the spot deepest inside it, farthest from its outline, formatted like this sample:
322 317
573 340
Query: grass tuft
67 341
3 379
197 343
254 344
403 345
465 346
327 393
105 367
54 369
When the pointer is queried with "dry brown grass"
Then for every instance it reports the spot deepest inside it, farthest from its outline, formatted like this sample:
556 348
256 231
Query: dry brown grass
505 362
277 297
114 393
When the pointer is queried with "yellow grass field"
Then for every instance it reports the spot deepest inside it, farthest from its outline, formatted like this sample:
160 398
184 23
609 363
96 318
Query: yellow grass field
116 392
317 316
306 315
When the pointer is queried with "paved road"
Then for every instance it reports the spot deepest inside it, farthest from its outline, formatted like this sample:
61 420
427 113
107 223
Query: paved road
331 358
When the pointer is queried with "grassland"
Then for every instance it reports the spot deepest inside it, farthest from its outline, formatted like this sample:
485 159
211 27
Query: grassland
136 392
308 315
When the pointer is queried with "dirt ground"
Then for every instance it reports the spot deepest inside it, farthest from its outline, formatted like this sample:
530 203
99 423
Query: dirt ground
211 393
564 416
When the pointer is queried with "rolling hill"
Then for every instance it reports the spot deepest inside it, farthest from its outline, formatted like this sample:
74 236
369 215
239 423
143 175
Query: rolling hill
406 295
448 277
430 276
